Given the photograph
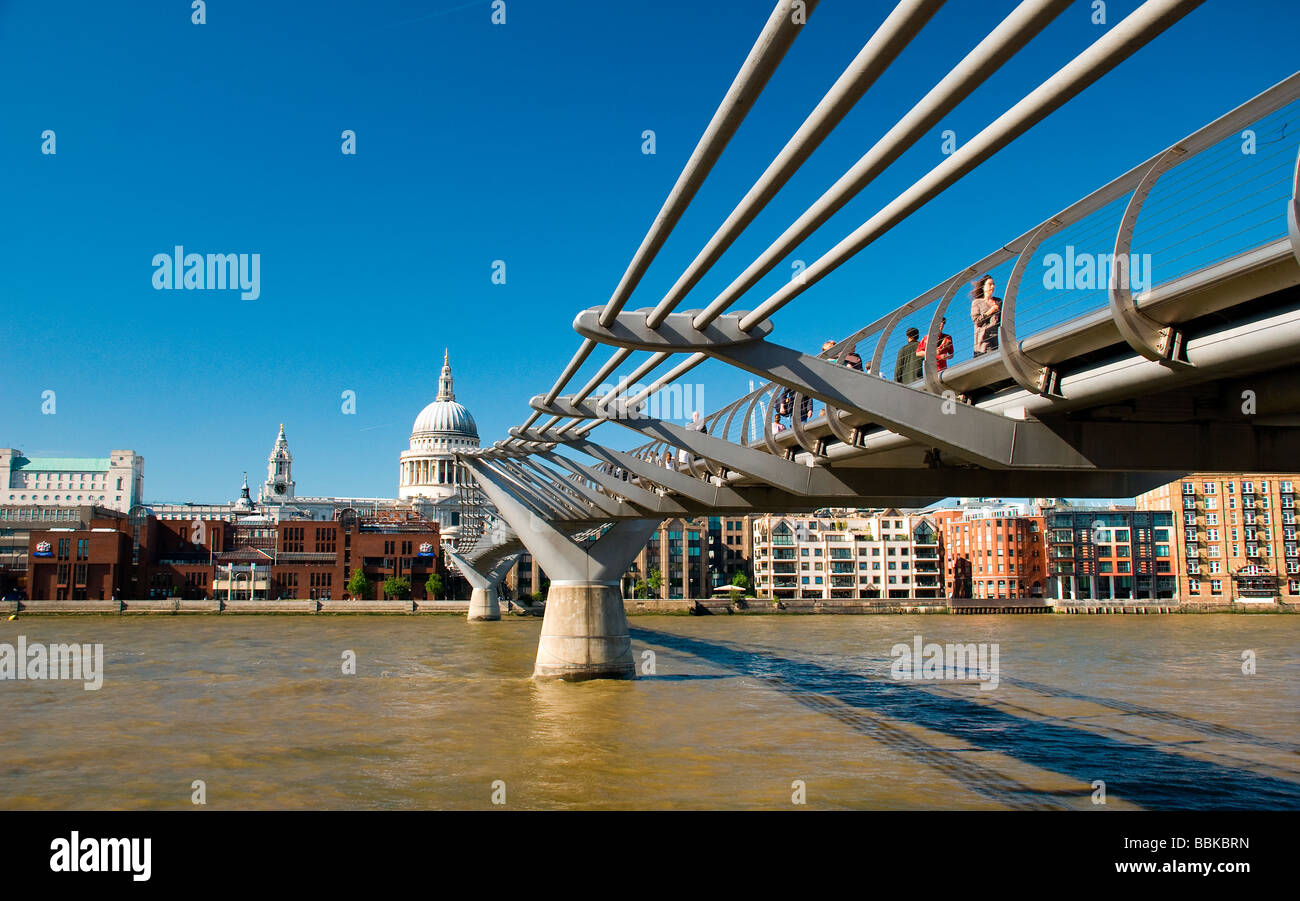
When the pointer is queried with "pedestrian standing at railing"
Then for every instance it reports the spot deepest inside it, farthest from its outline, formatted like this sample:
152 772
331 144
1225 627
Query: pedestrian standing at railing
695 425
907 365
849 357
985 315
942 348
785 406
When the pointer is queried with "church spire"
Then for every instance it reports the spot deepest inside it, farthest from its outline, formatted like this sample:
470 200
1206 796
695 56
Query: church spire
444 382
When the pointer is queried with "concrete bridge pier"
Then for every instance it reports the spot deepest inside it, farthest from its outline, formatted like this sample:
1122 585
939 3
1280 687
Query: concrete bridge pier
484 576
584 632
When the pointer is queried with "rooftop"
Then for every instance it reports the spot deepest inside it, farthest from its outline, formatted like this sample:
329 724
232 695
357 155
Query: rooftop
63 464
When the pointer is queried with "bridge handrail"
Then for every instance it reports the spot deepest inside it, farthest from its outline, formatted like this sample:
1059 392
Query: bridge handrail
1021 248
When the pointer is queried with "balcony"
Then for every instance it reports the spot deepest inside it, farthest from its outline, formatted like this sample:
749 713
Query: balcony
240 584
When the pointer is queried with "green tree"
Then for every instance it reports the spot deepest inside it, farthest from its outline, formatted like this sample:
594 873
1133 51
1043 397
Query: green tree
397 589
654 581
433 587
359 585
740 580
642 589
537 597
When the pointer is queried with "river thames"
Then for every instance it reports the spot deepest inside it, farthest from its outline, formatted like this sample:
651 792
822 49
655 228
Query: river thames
739 712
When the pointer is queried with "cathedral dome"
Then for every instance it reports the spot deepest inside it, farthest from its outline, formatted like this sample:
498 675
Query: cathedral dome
445 416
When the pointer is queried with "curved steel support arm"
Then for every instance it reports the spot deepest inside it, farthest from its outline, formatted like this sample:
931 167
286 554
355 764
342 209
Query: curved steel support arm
1293 212
930 372
800 432
1027 372
1156 341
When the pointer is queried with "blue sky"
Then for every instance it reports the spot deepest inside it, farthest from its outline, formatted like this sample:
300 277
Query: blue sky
475 142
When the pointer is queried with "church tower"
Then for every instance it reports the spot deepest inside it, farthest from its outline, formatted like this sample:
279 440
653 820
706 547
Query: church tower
278 486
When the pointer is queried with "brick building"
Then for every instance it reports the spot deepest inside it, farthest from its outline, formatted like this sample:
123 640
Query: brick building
253 558
1109 553
993 551
18 521
679 550
1234 536
66 564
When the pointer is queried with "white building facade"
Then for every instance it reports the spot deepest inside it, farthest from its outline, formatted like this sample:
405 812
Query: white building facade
847 554
115 481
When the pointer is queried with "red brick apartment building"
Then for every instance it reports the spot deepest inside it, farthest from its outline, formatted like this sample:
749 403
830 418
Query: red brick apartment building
248 559
993 551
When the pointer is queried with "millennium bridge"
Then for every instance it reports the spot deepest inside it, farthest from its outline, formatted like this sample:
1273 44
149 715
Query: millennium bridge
1104 376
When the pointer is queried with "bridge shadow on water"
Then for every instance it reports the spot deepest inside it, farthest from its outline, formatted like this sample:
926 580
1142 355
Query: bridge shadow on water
1145 775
